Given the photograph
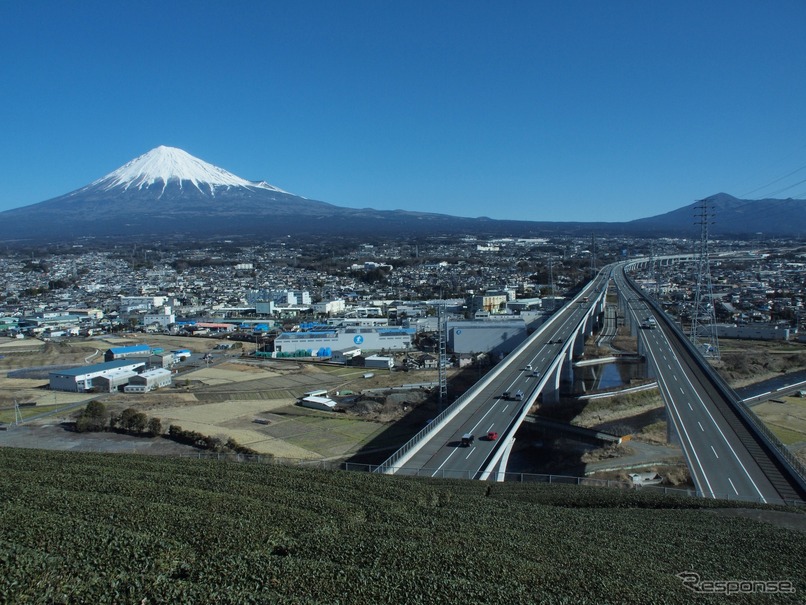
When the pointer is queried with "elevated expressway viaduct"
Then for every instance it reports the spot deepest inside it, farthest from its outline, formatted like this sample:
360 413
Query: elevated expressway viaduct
534 369
729 452
729 455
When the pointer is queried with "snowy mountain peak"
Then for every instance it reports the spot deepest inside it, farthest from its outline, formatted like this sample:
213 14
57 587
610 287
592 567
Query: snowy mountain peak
164 164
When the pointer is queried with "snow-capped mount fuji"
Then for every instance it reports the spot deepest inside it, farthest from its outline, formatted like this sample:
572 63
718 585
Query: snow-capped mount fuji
167 191
170 165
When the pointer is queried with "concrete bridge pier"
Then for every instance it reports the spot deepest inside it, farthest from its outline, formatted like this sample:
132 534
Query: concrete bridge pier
567 368
578 346
551 390
600 306
591 324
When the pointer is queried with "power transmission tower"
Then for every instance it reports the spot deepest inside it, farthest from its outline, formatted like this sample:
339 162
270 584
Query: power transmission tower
443 357
593 256
551 278
703 324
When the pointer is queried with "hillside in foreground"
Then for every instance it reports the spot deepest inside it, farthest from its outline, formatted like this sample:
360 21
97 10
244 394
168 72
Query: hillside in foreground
96 528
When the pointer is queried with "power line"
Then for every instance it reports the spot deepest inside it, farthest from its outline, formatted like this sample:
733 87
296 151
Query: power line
772 182
789 187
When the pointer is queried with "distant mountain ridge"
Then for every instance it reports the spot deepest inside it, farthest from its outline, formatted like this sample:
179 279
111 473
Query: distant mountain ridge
170 193
730 215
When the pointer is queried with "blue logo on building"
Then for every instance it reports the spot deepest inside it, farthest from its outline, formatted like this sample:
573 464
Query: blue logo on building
458 332
358 339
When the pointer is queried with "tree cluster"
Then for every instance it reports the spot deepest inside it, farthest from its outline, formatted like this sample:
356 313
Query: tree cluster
206 442
93 418
96 418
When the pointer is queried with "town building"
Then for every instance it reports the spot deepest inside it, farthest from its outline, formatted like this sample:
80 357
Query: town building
376 361
113 381
497 337
141 350
80 380
372 339
148 381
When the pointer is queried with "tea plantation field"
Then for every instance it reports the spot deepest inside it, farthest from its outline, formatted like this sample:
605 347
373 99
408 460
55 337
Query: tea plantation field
97 528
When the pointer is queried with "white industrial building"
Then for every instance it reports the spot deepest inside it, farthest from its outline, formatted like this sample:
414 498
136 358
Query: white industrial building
331 307
376 361
113 381
498 337
370 339
141 303
149 381
80 380
162 316
279 297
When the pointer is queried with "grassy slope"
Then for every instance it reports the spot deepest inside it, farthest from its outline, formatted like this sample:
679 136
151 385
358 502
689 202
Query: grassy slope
92 528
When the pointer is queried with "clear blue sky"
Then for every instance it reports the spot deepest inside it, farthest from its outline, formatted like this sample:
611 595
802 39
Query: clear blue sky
535 109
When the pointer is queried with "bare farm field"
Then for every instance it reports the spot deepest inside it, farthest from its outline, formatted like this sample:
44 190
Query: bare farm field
223 400
786 417
746 362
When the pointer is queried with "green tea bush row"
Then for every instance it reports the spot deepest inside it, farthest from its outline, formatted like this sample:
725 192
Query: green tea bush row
95 528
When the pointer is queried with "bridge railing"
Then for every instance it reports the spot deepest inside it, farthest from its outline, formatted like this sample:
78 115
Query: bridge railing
389 465
769 441
444 473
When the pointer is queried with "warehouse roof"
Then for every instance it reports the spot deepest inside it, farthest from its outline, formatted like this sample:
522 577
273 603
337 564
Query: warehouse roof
97 367
130 349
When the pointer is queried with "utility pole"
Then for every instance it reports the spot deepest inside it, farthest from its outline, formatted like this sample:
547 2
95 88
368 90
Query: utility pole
443 358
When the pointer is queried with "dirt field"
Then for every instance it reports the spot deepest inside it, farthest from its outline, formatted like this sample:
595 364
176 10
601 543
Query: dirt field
786 417
225 399
746 362
222 400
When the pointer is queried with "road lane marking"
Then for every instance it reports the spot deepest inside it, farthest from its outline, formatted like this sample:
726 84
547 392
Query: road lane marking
700 423
470 453
434 474
714 451
733 486
682 432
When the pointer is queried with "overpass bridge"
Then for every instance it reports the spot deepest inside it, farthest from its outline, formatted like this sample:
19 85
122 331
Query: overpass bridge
536 368
728 454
